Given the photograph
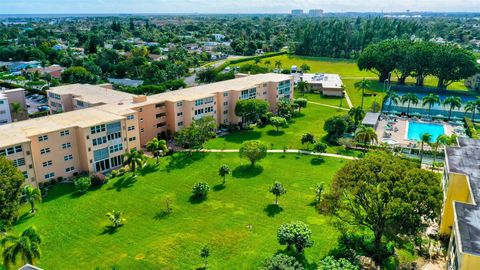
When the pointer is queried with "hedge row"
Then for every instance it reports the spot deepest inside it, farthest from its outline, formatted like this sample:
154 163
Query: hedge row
471 131
246 59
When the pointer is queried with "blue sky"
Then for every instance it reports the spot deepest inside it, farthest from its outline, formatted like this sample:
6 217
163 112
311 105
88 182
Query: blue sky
228 6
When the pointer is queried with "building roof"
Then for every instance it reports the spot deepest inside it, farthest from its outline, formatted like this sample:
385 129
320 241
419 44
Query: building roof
29 267
326 80
371 119
20 132
465 159
92 94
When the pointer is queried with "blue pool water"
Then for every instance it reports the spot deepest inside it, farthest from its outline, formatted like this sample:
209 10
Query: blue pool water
417 129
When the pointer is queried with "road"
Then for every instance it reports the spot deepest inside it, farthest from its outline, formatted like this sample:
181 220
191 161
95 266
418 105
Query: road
190 80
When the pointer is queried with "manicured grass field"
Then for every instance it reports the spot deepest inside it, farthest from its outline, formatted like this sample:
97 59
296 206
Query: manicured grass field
76 236
311 119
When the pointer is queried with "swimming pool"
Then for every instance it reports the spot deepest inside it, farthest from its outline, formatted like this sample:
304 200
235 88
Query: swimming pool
415 130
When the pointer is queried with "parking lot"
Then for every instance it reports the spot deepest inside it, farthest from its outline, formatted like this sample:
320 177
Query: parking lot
36 103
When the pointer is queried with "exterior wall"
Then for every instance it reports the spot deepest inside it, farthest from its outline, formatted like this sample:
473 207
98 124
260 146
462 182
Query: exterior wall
132 135
456 188
5 115
176 115
152 122
18 96
28 168
332 92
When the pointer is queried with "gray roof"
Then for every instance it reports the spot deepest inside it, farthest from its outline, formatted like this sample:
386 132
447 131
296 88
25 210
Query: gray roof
371 119
29 267
466 160
126 82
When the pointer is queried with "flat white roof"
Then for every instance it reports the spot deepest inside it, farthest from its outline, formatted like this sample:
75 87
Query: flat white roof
327 80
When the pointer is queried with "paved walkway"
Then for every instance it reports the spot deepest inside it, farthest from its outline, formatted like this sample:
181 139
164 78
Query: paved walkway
330 106
290 151
349 102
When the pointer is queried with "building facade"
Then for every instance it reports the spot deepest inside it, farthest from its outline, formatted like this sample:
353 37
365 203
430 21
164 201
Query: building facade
7 98
460 217
89 133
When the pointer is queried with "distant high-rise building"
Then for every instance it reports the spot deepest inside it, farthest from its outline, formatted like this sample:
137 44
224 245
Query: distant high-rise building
297 12
315 12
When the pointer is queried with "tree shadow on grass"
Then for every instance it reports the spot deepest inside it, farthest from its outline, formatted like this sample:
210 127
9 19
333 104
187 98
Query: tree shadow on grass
123 182
273 210
196 200
241 136
219 187
57 191
149 168
161 215
275 133
317 161
247 171
24 217
181 160
109 230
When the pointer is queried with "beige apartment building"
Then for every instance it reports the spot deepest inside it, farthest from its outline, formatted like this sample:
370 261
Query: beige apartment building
98 125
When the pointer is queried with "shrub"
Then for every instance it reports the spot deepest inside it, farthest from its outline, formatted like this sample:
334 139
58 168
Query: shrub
281 262
471 131
97 179
82 184
114 173
320 147
330 263
121 171
296 234
200 190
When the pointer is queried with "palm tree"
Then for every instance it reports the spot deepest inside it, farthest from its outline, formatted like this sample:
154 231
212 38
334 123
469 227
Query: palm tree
362 85
223 172
366 135
441 140
32 194
411 98
426 139
267 62
430 100
157 147
116 218
27 246
454 102
134 159
278 190
16 109
303 86
393 98
357 114
278 65
472 106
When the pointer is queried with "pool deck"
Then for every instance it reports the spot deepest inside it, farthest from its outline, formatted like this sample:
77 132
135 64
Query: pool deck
398 133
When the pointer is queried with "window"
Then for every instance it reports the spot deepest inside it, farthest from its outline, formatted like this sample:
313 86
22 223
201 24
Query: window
98 141
249 94
113 136
70 169
66 145
225 112
132 139
199 111
47 163
264 93
116 161
49 175
159 105
142 130
140 110
179 104
115 148
43 138
97 129
159 125
208 109
45 151
198 102
80 103
180 124
208 100
225 103
225 94
179 113
19 162
264 85
25 174
64 133
130 117
284 88
2 102
11 150
130 128
68 157
3 112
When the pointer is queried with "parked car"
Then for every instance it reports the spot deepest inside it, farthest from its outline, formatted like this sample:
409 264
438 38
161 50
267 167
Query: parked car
43 108
43 100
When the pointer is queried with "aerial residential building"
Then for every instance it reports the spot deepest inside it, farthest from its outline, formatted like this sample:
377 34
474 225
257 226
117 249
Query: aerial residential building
315 12
94 136
7 97
460 218
297 12
474 81
55 71
326 84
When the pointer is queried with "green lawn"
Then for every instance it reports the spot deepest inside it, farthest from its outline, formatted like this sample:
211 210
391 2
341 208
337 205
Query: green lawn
75 233
310 120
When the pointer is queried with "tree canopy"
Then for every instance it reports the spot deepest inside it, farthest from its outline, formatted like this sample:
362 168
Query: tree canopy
11 180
